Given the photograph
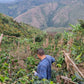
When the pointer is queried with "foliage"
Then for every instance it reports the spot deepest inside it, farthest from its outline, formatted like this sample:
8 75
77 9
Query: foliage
39 38
18 56
10 27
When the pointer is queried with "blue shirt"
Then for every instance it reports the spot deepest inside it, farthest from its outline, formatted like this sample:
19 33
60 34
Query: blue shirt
44 68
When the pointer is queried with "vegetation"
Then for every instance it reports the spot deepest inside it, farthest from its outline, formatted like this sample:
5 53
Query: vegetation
18 56
10 27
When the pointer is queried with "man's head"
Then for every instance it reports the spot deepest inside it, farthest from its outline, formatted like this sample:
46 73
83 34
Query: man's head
40 52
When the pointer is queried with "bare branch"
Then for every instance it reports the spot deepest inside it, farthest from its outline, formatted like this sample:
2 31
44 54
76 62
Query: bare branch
68 80
1 38
69 61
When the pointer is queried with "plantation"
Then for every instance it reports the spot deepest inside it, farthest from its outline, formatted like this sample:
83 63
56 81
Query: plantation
18 56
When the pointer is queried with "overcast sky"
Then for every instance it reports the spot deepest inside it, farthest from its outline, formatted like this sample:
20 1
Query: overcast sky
6 1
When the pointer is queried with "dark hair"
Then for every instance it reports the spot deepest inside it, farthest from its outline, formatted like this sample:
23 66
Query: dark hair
40 51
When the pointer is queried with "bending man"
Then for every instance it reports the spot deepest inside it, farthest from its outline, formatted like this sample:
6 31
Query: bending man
44 67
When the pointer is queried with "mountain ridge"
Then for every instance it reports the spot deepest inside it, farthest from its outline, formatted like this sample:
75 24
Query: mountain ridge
61 16
44 14
15 9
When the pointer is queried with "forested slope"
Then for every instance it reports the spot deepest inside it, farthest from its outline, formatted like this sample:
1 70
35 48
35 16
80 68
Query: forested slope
10 27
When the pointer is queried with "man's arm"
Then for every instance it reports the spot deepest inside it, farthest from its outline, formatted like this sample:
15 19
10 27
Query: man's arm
42 72
52 59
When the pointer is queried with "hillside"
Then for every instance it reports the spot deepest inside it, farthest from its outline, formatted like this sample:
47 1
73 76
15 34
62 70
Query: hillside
53 15
18 53
10 27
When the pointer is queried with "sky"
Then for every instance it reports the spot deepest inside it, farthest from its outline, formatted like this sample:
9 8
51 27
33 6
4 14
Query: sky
6 1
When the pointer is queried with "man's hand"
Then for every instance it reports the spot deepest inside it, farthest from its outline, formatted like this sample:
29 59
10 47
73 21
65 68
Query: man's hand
35 73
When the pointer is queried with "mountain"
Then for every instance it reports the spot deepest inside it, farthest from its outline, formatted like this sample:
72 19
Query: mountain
16 8
57 14
45 13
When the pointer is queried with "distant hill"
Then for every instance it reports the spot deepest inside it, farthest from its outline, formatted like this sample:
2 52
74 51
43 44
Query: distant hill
10 27
45 13
57 14
16 8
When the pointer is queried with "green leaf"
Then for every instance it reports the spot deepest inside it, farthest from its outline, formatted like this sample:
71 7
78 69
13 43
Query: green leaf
78 57
1 78
59 65
51 82
6 78
23 81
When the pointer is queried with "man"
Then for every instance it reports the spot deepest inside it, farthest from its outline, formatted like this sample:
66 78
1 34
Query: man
44 67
